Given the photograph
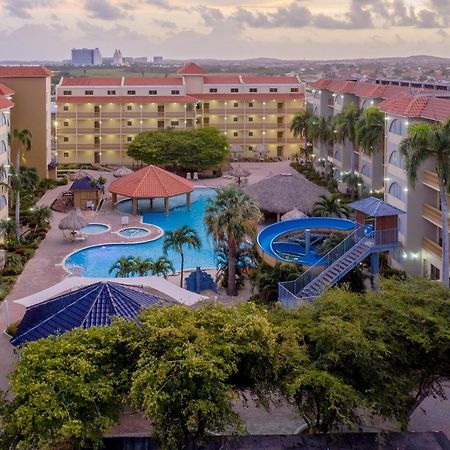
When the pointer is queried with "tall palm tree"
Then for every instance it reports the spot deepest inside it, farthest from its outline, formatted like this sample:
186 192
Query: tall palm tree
39 216
431 141
124 267
176 240
8 230
353 182
162 266
299 125
231 217
141 266
321 130
330 206
345 127
370 130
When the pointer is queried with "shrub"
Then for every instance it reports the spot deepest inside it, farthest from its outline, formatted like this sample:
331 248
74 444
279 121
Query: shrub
12 328
62 181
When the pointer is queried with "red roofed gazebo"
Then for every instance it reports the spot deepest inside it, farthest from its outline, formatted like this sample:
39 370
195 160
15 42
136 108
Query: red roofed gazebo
149 183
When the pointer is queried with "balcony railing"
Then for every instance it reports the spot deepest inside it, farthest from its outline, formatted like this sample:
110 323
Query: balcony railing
432 247
430 179
432 214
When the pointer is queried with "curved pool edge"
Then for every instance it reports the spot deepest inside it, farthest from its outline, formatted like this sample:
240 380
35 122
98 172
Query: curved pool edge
270 233
108 228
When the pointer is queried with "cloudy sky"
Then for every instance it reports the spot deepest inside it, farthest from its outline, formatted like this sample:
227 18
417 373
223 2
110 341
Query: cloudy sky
317 29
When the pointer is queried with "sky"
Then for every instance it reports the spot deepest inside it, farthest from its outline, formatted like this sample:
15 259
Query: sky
225 29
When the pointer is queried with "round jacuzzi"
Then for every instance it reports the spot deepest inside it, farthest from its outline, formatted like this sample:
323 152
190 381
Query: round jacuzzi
134 232
94 228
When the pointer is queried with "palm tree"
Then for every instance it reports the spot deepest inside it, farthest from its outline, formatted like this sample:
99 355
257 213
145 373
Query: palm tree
124 267
39 217
370 130
8 230
231 217
141 266
353 182
299 126
162 266
176 240
345 127
330 206
321 129
431 141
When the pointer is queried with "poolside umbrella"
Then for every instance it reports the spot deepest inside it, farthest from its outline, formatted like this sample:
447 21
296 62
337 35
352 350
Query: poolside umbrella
293 214
122 172
74 221
261 150
236 150
90 306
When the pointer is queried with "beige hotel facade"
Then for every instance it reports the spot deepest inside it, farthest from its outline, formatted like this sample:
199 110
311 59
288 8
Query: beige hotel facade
97 118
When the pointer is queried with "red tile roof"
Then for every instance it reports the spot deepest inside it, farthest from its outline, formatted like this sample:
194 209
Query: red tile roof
260 79
91 81
151 182
192 69
437 109
126 99
5 90
341 86
222 79
5 103
268 96
154 81
323 83
24 72
368 90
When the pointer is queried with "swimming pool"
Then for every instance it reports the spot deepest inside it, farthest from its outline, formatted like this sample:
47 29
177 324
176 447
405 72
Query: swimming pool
134 232
96 261
94 228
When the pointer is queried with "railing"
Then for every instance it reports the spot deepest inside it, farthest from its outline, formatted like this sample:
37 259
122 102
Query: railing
296 286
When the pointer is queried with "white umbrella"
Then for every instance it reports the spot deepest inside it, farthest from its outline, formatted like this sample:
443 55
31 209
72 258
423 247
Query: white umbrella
293 214
122 172
236 148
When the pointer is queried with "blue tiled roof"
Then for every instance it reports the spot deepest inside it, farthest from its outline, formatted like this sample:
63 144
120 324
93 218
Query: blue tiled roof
84 184
374 207
90 306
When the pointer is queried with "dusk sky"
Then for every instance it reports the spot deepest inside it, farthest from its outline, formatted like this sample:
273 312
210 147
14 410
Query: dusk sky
316 29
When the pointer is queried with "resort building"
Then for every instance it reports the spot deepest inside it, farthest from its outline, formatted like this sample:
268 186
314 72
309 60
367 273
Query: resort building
32 88
5 111
403 103
98 117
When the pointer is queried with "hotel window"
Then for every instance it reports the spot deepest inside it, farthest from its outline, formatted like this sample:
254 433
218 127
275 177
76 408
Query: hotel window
66 124
235 105
250 119
67 92
235 119
129 123
253 90
396 127
152 92
66 139
129 108
435 273
235 134
213 90
294 89
97 109
174 123
129 138
280 149
250 105
66 154
88 92
396 159
250 133
65 108
250 148
111 92
3 201
273 90
365 170
3 147
175 92
132 92
395 190
234 90
337 155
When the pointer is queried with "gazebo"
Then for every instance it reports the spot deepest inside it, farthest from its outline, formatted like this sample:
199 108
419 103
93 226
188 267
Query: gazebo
282 193
151 182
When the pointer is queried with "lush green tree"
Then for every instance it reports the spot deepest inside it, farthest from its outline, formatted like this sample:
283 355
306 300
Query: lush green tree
193 149
177 240
39 216
124 267
330 206
162 266
354 182
231 217
141 266
321 130
300 126
345 124
426 142
8 230
370 130
69 389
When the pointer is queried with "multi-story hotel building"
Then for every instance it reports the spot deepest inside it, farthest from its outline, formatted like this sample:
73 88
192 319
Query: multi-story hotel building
403 103
98 117
32 88
5 111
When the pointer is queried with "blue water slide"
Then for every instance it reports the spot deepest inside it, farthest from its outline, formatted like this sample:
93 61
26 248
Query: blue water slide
269 234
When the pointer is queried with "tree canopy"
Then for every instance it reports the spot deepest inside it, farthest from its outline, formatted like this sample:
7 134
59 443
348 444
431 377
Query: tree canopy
194 149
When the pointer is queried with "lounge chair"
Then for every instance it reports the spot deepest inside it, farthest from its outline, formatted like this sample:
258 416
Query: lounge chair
188 176
195 177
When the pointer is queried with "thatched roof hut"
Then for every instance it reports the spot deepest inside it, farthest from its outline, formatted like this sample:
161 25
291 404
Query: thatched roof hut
293 214
74 221
282 193
78 175
122 172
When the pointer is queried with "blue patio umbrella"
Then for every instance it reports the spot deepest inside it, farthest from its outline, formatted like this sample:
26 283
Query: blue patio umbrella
90 306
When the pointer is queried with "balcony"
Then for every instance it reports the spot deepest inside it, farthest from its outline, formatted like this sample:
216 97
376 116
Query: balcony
230 110
430 179
432 214
432 247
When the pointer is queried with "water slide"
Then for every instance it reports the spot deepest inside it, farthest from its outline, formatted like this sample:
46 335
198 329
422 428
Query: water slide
270 243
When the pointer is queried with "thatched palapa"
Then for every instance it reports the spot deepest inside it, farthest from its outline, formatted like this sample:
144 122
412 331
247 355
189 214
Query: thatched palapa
74 221
293 214
282 193
122 172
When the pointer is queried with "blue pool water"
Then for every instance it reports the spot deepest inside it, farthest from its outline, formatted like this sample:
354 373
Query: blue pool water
94 228
134 232
96 261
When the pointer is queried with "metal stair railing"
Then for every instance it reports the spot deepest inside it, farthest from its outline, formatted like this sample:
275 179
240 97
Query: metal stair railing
288 291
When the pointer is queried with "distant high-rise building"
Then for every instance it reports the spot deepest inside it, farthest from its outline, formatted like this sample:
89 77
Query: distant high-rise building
157 59
117 58
86 57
